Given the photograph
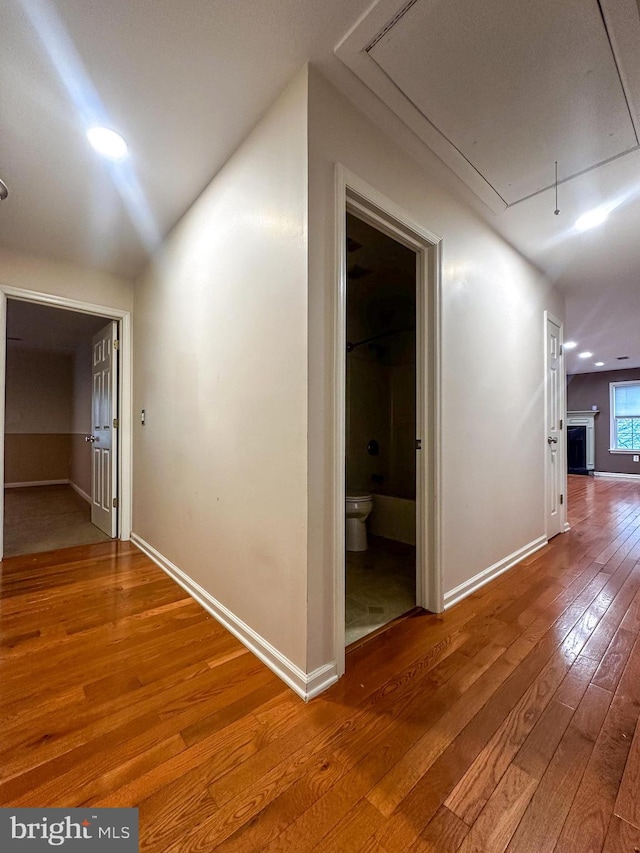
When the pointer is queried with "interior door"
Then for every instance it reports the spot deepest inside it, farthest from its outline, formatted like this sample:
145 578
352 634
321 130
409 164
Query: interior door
554 443
104 436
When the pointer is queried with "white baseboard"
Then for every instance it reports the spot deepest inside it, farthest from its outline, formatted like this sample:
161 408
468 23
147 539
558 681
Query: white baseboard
36 483
306 685
615 476
80 491
464 589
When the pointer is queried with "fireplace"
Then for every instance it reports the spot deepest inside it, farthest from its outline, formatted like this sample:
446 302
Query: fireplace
581 442
577 450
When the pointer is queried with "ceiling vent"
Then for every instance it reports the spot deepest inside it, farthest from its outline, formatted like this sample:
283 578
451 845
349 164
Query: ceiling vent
501 90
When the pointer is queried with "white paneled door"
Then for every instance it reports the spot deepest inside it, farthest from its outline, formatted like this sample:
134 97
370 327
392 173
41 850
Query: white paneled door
104 436
554 443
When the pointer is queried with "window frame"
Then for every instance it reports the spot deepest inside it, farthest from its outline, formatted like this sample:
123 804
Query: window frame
612 417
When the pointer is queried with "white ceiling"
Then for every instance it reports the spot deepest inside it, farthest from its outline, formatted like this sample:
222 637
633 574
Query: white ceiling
502 90
513 86
183 81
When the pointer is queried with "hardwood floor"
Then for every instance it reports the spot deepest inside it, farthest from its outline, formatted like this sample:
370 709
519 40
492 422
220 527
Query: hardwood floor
508 723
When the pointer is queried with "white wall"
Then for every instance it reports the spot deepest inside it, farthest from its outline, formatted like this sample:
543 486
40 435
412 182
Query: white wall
493 465
67 280
220 369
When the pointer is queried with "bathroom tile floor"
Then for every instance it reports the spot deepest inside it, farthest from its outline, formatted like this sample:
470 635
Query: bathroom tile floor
381 585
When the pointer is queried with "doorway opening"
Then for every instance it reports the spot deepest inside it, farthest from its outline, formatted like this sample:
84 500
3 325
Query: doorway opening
50 485
381 429
56 489
555 417
358 199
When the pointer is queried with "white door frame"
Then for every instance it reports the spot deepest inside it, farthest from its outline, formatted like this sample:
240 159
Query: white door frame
124 390
355 195
562 448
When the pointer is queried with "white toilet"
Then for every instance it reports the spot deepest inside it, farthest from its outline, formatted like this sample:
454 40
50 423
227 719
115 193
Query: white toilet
358 508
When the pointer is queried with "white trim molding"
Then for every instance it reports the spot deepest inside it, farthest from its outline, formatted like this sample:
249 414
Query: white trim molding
80 491
306 685
615 476
464 589
29 483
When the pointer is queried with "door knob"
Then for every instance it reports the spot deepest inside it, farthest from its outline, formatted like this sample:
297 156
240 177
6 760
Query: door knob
552 440
91 438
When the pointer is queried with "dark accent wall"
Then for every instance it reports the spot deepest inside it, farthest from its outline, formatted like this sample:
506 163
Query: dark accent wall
585 390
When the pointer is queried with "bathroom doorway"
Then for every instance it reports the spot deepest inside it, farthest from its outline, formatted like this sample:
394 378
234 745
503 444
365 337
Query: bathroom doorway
381 432
367 204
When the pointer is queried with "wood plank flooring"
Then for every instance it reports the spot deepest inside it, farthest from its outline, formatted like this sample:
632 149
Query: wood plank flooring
510 723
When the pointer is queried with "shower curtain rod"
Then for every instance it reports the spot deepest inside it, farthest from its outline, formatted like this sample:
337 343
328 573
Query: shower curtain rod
351 347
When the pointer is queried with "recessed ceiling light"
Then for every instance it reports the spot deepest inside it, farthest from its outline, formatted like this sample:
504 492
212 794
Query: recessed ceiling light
592 219
599 363
570 345
107 142
585 354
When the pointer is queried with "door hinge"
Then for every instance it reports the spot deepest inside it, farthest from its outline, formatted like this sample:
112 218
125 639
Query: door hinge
116 423
418 444
561 422
114 503
116 344
561 499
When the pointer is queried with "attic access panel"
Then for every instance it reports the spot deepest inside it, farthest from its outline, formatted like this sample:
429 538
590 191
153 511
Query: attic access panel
511 86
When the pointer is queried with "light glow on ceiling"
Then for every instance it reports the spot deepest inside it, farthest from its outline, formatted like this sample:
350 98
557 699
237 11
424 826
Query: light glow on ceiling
585 354
592 219
570 345
108 143
599 363
90 111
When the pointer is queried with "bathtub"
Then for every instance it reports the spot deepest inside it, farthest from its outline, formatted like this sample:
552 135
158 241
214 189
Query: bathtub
393 518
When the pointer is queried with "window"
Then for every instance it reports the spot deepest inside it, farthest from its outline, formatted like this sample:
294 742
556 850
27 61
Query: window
625 416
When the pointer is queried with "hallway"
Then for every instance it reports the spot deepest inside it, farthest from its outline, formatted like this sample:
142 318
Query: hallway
507 723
